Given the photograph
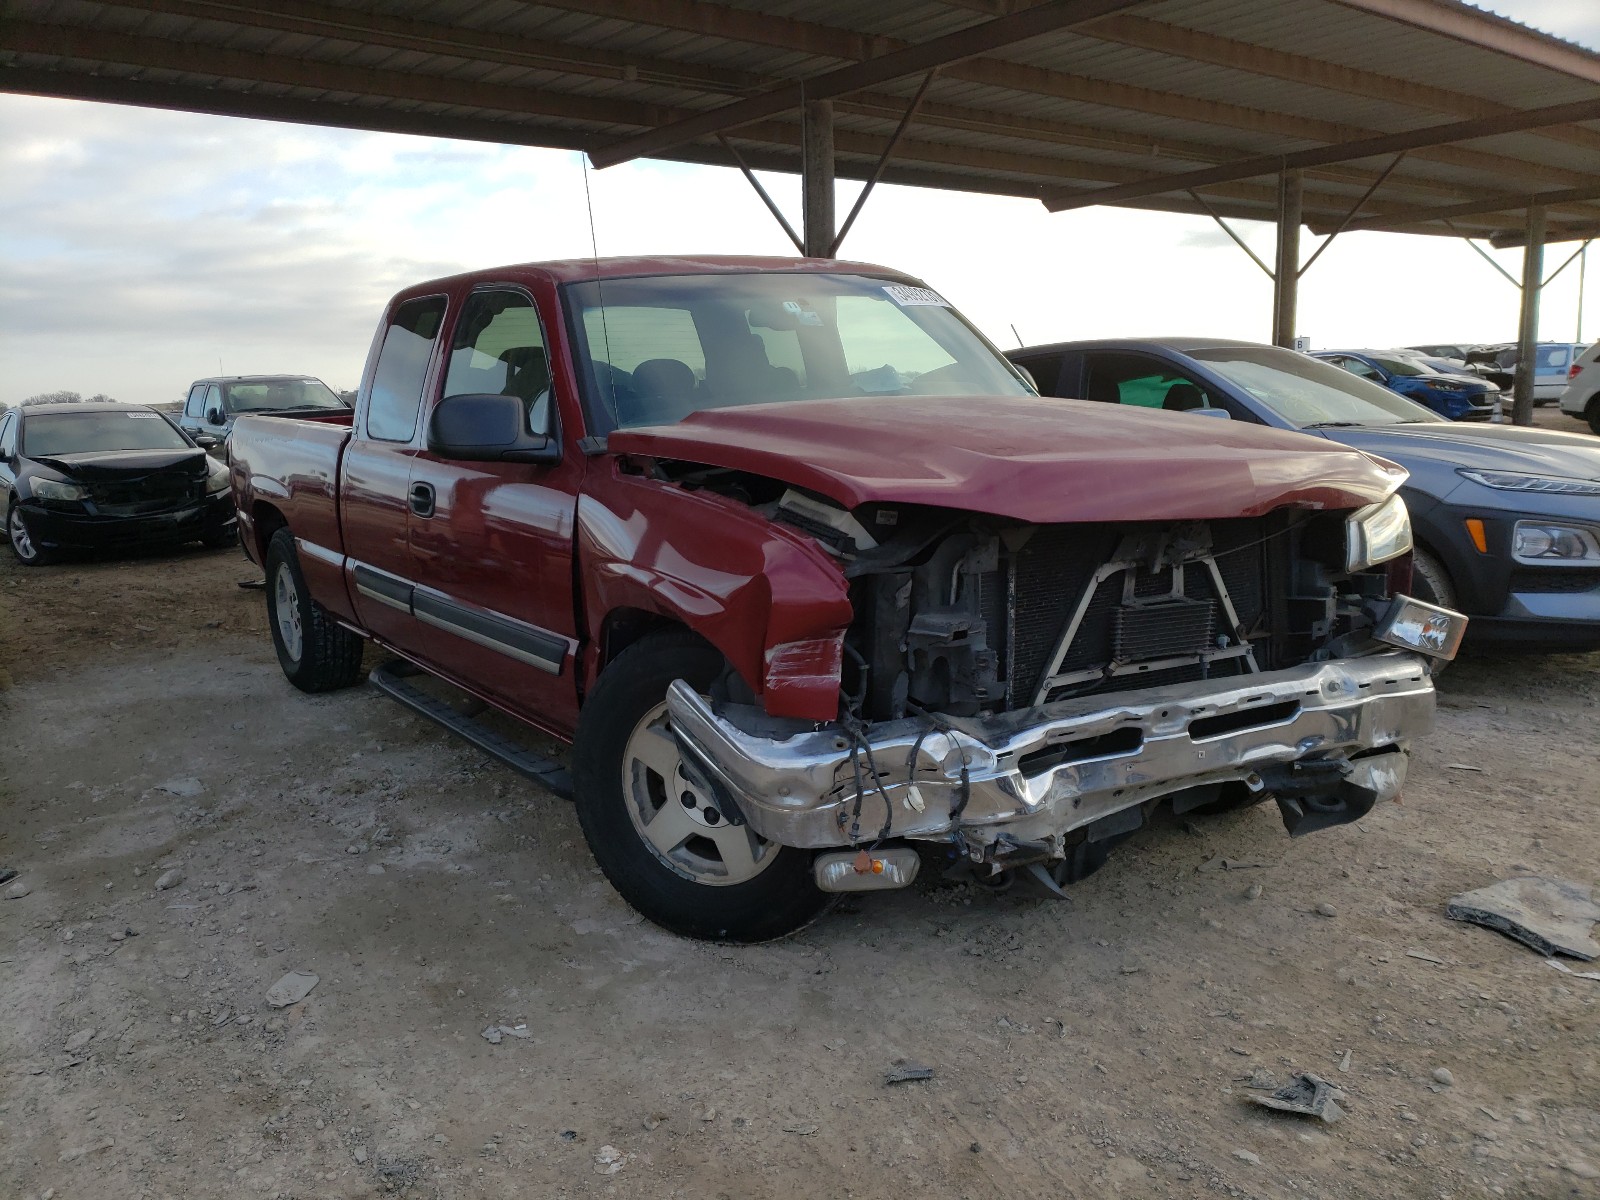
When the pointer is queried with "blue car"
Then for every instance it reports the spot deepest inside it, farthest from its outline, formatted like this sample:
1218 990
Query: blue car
1459 396
1506 518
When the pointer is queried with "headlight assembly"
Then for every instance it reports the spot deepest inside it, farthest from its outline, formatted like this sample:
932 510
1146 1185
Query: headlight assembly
1516 481
216 477
1377 533
55 489
1539 543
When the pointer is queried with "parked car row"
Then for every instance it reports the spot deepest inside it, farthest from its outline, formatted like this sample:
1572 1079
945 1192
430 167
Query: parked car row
1453 392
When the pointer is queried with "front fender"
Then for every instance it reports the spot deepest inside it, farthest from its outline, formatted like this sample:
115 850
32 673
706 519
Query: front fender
753 589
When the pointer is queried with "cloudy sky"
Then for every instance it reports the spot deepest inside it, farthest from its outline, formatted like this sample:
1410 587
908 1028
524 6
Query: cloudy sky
142 249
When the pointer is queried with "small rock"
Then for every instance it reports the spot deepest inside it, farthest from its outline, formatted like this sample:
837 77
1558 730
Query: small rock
802 1129
1442 1075
374 868
359 1154
569 1135
1131 968
291 989
1580 1168
1327 910
609 1160
976 1147
708 1113
352 849
79 1040
1247 1156
1253 892
275 1025
492 1035
119 936
187 787
17 890
169 880
653 1121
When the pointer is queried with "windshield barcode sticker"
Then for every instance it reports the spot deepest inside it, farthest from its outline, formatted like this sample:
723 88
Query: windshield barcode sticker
145 416
905 295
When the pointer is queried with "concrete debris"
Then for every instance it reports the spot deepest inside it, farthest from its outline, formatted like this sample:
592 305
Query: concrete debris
907 1072
168 880
1425 957
1344 1063
79 1040
1248 1156
187 787
494 1033
1307 1096
291 989
609 1160
1566 970
17 890
1554 916
491 1035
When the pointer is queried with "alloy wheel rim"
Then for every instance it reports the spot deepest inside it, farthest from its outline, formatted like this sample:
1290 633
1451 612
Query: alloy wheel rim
20 539
680 823
286 608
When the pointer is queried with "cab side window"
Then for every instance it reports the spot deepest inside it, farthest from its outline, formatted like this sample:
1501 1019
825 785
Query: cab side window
403 368
213 403
196 407
8 436
499 349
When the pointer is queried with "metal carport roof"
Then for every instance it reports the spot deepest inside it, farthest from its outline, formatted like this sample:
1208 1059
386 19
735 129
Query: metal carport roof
1425 116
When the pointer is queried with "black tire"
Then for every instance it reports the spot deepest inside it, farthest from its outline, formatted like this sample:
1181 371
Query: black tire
1430 582
329 655
1593 416
222 539
780 899
28 552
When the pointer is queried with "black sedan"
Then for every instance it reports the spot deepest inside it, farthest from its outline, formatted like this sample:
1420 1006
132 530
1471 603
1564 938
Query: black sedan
1506 518
106 476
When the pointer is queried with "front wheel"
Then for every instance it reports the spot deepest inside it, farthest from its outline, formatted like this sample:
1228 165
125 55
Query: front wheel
1430 583
317 654
29 553
661 840
1593 416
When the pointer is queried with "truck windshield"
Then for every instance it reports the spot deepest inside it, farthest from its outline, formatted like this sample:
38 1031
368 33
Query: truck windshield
276 395
657 349
1307 392
47 434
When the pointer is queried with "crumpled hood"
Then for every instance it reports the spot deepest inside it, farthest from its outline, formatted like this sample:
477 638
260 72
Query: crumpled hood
108 464
1487 447
1027 458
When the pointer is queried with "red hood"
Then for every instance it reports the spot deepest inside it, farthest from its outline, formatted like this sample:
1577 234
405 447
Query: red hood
1035 460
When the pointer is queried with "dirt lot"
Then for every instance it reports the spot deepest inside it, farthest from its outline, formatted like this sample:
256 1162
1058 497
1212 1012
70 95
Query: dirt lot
1095 1046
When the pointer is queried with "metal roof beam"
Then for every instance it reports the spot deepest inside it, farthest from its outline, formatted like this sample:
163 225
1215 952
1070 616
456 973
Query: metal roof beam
1392 143
808 37
943 51
1473 208
1197 46
1487 31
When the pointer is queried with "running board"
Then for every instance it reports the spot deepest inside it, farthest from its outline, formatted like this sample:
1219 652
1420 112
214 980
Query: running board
390 679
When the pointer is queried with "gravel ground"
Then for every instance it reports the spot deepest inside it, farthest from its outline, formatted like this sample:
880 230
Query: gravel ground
189 829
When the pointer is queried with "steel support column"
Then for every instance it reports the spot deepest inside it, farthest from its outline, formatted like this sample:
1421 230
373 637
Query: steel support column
1528 323
817 184
1286 276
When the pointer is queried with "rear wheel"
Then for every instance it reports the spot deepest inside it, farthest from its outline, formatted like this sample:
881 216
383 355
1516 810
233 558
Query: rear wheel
317 654
1593 416
29 553
662 841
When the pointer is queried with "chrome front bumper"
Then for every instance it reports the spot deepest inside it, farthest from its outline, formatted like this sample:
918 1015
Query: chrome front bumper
1035 775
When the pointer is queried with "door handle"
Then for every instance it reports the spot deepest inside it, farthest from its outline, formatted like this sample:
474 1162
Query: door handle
422 499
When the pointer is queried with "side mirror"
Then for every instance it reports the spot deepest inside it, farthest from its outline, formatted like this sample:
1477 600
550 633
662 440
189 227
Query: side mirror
204 440
1220 413
490 428
215 416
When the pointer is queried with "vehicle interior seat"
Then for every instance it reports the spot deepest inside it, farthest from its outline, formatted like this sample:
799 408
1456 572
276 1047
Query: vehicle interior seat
742 372
527 372
1183 397
664 391
1102 390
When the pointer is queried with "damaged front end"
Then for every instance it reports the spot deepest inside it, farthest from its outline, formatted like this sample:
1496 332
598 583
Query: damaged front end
1028 694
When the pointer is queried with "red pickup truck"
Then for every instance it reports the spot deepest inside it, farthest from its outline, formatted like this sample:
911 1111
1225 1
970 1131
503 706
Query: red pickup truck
819 588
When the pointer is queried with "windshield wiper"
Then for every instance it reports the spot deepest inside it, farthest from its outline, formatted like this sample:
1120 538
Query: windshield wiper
1332 425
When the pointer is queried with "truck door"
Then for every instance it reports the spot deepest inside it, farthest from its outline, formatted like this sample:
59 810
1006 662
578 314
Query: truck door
375 501
493 552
